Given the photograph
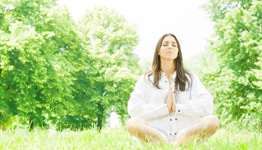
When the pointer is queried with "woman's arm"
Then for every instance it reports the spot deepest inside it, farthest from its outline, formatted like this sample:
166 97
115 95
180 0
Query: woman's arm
201 102
140 107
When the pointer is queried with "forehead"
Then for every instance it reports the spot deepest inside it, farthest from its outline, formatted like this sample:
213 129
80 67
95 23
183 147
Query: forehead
169 38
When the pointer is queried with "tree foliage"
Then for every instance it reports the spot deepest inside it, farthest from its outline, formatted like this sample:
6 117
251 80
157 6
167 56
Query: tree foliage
38 51
109 74
237 42
56 71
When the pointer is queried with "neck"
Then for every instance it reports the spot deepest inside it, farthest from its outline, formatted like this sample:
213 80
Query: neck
168 66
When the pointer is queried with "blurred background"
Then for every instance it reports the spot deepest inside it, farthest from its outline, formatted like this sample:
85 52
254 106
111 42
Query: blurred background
72 64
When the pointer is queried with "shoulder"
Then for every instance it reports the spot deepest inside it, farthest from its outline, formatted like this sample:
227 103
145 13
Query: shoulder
145 79
191 75
194 76
196 81
193 79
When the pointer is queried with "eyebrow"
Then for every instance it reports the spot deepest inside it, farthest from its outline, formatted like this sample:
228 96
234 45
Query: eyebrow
173 42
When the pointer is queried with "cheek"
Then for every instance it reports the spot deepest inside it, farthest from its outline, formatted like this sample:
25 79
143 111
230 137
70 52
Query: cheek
160 52
176 51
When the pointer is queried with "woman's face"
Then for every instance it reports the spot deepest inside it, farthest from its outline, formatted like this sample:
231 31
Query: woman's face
168 49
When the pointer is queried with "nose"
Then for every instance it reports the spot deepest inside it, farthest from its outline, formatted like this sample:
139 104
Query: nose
170 46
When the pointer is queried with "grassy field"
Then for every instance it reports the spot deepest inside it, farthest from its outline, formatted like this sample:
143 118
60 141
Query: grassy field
118 139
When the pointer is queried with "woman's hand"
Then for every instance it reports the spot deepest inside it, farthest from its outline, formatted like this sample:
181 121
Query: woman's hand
170 101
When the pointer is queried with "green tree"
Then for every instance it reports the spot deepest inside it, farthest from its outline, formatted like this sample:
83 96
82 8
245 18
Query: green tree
111 67
237 41
40 53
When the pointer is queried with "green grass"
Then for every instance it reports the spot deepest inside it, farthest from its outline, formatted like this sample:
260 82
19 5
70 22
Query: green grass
118 139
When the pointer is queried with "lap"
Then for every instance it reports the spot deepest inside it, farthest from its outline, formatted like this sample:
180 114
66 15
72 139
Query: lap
207 123
209 120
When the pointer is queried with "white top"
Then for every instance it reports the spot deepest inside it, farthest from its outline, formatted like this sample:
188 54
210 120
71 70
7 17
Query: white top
148 103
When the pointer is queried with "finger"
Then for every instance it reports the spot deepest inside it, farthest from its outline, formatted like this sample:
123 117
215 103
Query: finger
173 108
169 104
169 107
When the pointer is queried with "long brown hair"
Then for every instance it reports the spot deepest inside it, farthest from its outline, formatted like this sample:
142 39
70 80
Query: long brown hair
181 73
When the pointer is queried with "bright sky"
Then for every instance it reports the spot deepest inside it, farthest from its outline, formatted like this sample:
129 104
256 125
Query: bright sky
153 18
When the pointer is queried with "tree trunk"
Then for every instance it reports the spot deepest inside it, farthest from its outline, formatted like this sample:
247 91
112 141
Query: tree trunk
31 124
100 116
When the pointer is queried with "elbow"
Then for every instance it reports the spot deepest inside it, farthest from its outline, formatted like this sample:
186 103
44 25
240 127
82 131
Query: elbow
209 105
133 112
210 108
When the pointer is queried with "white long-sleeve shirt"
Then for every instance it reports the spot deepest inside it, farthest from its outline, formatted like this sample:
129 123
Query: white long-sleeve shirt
148 103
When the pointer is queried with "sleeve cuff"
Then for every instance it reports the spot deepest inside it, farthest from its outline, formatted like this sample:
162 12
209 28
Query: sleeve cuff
165 110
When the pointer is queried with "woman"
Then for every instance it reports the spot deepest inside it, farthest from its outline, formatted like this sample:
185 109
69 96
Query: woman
169 103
